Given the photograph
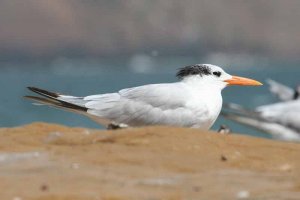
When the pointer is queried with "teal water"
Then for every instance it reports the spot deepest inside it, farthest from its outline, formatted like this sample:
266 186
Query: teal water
83 79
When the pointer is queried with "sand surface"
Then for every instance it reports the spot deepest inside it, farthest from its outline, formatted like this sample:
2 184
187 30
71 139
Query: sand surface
45 161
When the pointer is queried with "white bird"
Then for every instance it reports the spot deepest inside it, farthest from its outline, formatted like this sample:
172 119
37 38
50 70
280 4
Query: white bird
194 101
281 120
283 92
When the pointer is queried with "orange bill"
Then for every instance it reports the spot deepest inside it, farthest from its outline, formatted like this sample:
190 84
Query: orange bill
236 80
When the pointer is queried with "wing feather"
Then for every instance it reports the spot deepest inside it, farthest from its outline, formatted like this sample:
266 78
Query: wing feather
149 104
285 113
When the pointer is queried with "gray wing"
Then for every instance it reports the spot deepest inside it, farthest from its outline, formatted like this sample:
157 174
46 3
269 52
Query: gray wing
275 129
144 105
285 113
283 92
279 119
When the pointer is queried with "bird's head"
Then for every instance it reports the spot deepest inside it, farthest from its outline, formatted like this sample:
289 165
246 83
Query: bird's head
212 75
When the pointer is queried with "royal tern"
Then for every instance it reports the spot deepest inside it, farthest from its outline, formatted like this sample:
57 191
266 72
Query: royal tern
281 120
283 92
194 101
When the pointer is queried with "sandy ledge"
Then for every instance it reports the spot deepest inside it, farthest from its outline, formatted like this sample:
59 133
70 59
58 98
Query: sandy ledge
46 161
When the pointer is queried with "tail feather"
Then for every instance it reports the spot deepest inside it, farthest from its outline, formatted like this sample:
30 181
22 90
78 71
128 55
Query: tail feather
44 93
44 101
52 99
68 103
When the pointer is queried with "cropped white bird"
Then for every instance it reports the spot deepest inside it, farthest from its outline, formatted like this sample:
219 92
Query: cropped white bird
195 101
281 120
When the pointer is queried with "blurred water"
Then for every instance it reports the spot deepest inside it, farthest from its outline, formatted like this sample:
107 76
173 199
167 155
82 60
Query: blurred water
91 77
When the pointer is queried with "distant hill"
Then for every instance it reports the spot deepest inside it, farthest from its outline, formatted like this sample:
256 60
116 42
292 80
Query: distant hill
60 27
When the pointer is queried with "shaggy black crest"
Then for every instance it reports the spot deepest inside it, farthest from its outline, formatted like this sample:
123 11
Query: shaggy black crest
193 70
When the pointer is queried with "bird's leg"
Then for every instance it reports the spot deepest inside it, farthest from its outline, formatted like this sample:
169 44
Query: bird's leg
224 129
115 126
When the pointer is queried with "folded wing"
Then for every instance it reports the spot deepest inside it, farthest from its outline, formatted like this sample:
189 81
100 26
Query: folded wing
144 105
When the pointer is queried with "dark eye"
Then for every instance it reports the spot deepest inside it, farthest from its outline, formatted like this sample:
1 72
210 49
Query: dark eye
218 74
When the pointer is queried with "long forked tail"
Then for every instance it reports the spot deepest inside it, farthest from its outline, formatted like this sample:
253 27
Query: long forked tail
56 100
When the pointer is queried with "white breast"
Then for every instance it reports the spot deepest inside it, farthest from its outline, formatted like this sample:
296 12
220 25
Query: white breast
206 106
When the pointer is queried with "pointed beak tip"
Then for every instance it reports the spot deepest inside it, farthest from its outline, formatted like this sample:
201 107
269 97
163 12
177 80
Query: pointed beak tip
259 83
236 80
254 83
